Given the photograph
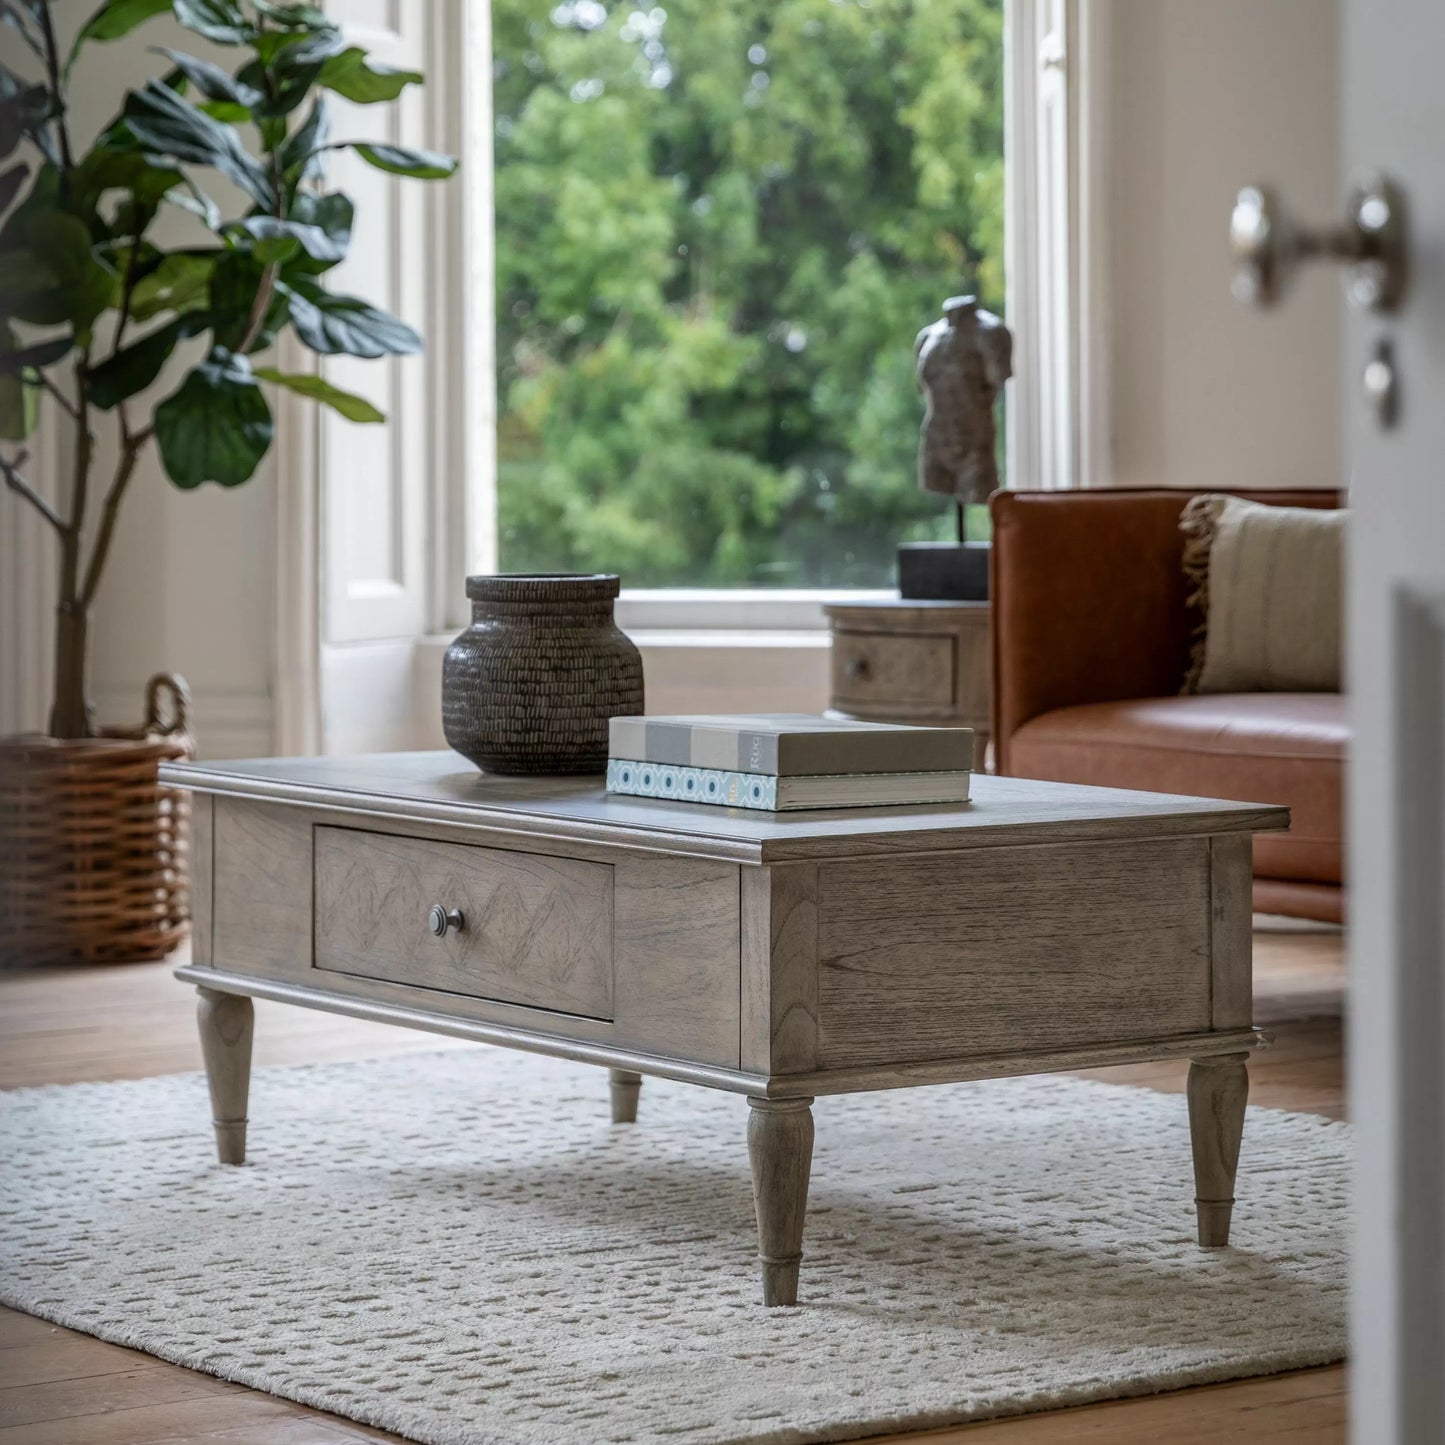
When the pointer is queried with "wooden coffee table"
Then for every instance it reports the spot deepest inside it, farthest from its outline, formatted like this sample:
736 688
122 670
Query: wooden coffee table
1042 927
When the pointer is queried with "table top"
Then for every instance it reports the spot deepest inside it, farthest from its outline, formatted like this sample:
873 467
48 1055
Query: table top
444 787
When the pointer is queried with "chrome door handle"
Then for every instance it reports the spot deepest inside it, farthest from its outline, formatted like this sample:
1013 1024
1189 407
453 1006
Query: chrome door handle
1269 245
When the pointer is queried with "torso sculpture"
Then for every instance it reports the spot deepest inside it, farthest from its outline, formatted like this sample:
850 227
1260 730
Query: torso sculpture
964 358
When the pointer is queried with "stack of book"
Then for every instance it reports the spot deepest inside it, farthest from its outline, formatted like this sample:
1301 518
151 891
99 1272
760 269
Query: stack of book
782 761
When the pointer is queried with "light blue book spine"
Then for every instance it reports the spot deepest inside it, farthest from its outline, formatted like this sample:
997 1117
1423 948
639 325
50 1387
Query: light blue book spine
693 785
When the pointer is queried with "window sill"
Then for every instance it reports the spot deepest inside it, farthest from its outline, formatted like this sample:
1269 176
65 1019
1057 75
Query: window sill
702 639
708 669
733 610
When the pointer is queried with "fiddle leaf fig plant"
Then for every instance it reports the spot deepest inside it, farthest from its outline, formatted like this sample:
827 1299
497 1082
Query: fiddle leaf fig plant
93 302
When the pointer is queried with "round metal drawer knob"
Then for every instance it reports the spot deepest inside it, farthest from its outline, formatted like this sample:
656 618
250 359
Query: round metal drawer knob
856 669
441 920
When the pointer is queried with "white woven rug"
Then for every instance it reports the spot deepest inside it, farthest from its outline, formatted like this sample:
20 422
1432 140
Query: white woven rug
460 1247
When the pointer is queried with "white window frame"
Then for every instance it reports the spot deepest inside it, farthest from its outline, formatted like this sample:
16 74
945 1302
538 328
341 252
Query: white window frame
1056 273
1051 142
1056 144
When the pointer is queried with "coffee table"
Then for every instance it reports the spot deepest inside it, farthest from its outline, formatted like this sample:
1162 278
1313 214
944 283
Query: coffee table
1044 926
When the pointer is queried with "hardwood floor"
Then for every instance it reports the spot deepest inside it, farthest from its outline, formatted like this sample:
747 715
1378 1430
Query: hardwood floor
62 1388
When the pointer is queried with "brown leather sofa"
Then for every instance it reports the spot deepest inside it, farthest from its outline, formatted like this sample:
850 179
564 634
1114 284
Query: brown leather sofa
1091 640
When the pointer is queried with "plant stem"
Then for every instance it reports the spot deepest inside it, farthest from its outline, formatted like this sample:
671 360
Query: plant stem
69 715
262 301
22 488
257 316
64 401
52 71
132 444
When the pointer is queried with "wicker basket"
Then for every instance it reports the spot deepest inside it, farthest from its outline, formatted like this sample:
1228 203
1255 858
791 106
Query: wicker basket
92 847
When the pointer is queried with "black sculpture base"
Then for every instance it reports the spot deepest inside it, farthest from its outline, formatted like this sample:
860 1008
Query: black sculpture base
943 571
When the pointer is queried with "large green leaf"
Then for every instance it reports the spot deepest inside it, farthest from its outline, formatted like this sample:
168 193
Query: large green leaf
217 20
116 167
19 396
333 213
235 283
23 278
116 18
136 366
213 82
301 154
44 195
225 111
29 289
181 282
271 248
197 202
14 357
312 239
312 50
423 165
57 279
305 383
346 325
291 70
216 426
365 81
162 121
19 406
293 17
22 113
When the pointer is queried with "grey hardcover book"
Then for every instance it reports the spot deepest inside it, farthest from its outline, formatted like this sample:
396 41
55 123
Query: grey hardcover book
790 745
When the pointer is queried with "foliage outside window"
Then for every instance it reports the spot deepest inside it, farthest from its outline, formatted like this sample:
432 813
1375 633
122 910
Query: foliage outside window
719 228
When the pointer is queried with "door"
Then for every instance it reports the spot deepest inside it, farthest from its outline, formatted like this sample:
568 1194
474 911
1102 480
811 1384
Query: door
1393 104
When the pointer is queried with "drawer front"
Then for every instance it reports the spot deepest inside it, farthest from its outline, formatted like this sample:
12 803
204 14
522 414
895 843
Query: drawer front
1008 950
534 930
904 668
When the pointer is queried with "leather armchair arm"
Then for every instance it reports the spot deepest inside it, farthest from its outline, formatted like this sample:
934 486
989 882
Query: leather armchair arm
1088 599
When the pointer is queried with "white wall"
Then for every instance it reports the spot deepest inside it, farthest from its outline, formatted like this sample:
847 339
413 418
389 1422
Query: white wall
1206 96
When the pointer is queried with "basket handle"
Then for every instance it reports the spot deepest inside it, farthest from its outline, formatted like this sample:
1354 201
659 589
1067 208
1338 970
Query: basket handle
176 689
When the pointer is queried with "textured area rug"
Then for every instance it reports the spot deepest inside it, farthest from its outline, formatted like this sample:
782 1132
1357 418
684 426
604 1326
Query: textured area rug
460 1247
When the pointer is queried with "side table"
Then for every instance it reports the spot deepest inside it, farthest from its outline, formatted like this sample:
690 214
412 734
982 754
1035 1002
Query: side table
905 661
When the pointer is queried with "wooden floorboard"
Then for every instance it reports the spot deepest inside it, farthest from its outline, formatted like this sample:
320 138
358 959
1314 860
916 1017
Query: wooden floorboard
61 1388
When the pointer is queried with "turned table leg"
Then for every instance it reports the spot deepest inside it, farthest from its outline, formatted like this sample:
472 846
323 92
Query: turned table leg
780 1150
225 1021
626 1086
1218 1089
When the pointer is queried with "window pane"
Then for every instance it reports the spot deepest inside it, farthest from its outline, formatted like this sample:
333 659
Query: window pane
719 228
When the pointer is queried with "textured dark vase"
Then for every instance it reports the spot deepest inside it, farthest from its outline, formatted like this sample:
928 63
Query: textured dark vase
530 685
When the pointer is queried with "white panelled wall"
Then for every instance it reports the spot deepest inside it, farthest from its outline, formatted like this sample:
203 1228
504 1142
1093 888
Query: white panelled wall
1205 98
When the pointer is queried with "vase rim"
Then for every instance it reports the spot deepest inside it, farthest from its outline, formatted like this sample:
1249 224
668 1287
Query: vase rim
540 585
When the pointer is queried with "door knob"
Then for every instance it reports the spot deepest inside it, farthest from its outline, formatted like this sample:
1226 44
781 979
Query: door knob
1269 245
442 920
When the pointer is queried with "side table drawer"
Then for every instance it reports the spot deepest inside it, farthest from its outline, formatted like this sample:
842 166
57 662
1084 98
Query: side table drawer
894 668
534 930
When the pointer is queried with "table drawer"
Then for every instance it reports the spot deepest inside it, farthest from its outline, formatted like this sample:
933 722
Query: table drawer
898 668
534 930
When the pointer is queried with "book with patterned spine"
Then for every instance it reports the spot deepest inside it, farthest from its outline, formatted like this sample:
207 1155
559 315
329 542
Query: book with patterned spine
790 745
769 793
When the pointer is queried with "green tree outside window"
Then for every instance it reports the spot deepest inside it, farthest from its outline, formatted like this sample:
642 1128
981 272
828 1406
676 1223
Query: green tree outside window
718 229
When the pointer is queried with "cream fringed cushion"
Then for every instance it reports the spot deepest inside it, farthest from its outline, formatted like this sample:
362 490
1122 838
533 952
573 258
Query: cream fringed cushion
1270 583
